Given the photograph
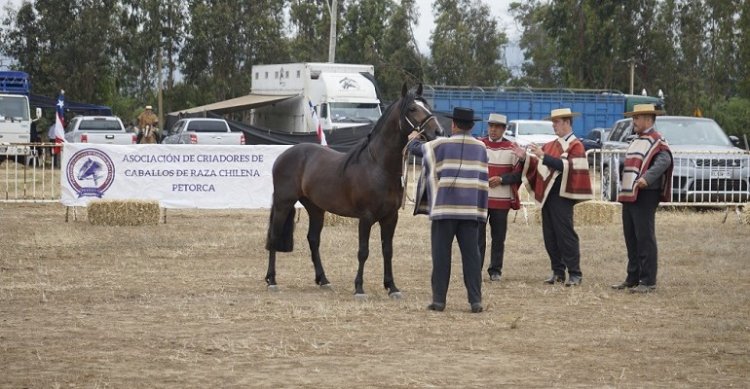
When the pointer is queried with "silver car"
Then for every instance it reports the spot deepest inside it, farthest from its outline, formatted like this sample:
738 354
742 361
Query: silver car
708 167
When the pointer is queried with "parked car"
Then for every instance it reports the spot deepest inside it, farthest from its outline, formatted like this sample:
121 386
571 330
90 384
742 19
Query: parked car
203 131
593 141
525 132
708 165
98 130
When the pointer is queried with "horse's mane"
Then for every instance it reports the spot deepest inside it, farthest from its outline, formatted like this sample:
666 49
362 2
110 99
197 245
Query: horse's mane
355 153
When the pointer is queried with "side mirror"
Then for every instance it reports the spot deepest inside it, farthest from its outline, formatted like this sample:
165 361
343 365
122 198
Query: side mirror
735 140
38 114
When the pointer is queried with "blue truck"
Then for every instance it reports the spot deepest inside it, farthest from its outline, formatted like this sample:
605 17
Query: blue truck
598 108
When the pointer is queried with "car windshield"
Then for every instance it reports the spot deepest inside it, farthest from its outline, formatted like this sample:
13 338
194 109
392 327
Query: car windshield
13 107
690 131
541 128
355 112
207 126
100 125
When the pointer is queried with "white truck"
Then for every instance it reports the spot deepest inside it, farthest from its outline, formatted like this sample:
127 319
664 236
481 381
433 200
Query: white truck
203 131
343 95
15 114
98 130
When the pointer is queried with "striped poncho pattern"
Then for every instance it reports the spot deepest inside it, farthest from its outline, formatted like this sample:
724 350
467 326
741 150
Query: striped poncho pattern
453 184
576 181
501 161
641 152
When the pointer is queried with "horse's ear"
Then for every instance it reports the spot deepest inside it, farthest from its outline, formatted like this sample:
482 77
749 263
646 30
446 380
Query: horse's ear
419 89
404 90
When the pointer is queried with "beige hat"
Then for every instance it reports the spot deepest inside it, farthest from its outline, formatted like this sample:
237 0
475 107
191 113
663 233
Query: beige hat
561 113
644 109
496 118
149 107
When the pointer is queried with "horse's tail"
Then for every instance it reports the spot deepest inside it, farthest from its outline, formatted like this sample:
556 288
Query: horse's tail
281 232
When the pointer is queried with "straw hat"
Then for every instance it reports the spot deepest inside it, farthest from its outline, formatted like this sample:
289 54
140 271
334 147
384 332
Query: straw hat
561 113
644 109
496 118
463 115
149 107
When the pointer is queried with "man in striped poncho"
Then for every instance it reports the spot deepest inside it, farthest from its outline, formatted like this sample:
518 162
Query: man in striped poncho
646 180
504 180
452 190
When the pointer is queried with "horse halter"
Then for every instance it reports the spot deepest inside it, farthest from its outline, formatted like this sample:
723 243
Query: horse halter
419 128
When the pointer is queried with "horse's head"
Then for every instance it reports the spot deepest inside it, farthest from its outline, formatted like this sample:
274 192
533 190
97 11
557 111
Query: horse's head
416 115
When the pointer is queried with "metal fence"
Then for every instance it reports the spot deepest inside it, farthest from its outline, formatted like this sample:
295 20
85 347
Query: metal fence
32 175
699 178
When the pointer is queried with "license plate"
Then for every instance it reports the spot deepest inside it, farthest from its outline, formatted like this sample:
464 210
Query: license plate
721 174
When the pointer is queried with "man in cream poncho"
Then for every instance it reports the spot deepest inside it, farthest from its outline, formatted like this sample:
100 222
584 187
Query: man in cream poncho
558 175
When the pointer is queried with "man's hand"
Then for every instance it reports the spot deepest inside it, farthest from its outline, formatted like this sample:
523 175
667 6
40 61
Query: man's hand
642 183
536 150
495 181
519 152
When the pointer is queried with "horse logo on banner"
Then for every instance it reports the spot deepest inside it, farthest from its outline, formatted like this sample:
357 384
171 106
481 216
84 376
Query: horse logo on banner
90 172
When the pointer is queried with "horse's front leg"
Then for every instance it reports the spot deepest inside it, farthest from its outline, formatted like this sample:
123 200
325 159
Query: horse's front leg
271 273
387 230
364 251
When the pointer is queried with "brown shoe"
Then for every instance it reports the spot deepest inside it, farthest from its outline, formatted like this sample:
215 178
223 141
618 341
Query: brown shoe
625 285
643 289
554 278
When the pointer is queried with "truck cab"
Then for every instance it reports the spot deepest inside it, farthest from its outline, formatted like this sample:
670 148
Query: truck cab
339 95
15 114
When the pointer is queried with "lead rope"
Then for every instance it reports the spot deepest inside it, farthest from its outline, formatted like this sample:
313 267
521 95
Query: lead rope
405 171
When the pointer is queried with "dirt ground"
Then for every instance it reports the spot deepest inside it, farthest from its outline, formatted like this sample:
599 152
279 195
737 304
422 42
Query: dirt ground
183 304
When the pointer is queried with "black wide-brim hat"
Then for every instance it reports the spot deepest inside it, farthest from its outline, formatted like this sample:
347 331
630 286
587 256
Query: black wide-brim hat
462 114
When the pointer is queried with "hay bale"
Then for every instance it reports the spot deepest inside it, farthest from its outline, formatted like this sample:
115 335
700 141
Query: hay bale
331 219
745 215
124 212
596 212
585 213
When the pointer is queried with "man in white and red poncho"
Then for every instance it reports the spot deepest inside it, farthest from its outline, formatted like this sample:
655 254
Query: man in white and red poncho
558 175
504 171
646 180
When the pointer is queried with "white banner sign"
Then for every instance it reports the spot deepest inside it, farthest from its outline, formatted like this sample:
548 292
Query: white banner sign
178 176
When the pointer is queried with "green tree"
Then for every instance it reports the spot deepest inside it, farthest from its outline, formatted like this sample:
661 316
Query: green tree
466 45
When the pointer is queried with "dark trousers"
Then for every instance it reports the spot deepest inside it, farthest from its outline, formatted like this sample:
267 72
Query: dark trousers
442 234
498 221
560 239
638 224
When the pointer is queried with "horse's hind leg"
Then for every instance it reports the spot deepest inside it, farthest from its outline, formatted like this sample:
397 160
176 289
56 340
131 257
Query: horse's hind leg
387 230
271 273
316 215
365 226
280 237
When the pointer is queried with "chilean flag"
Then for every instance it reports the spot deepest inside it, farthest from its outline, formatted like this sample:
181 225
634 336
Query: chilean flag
316 124
60 121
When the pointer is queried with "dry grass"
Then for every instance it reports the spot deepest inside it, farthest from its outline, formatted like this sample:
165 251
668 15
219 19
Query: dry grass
184 304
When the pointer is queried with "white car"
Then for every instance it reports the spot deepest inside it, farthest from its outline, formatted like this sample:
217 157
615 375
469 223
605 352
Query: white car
525 132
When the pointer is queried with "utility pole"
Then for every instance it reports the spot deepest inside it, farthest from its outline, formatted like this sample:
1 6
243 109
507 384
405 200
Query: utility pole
332 33
631 61
159 88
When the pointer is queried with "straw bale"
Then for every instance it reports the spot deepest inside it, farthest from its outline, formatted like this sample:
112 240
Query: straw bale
124 212
585 213
745 215
596 212
336 220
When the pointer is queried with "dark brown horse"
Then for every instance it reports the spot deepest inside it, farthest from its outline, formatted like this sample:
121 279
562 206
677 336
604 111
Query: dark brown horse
364 183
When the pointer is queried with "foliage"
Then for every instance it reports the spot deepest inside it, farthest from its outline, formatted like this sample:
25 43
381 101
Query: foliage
733 115
117 52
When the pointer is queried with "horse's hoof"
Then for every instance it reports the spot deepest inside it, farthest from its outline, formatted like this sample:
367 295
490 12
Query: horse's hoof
326 286
395 295
360 296
273 288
